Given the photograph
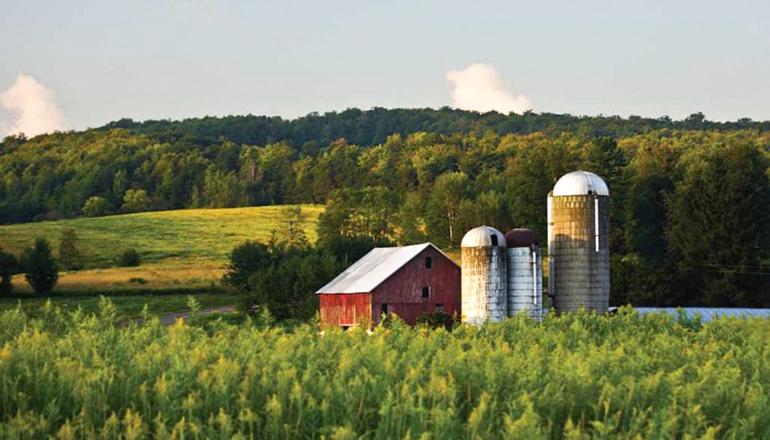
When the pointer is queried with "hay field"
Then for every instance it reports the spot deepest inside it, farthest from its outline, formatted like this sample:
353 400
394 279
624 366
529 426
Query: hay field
183 249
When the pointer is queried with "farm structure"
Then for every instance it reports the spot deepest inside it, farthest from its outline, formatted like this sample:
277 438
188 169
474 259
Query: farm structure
578 243
407 281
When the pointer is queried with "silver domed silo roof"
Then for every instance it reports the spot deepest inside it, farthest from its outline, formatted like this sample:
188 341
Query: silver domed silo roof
580 183
483 236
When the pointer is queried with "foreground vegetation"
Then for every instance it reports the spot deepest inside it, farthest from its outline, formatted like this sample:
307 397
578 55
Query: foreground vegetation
73 375
127 306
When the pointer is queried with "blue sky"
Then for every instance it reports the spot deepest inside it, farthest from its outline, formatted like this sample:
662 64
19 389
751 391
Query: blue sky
102 60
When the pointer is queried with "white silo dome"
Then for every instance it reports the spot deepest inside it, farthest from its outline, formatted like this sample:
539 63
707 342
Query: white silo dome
483 236
580 183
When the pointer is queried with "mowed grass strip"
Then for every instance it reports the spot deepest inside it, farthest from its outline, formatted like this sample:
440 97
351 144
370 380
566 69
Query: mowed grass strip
177 273
192 235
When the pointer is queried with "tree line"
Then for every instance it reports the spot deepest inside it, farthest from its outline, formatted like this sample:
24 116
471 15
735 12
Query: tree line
689 218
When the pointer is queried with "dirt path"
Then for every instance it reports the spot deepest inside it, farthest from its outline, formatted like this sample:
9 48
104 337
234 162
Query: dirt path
170 318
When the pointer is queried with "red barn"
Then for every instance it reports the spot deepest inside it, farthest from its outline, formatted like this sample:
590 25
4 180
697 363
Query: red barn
407 281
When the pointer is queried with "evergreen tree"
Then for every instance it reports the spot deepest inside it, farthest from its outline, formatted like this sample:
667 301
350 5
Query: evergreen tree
40 268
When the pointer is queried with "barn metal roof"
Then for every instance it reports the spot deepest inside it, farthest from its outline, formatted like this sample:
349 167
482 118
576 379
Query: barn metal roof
708 313
580 183
374 268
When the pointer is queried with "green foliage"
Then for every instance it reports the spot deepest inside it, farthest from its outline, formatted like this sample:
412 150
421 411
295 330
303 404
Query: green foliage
245 259
437 320
135 200
95 206
40 269
69 255
9 265
280 279
287 286
449 191
406 176
575 376
718 226
129 258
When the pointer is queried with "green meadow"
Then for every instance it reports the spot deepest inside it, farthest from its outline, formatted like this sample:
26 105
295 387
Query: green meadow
190 235
183 253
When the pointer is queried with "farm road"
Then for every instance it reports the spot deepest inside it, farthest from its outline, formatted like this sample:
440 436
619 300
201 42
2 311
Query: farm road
170 318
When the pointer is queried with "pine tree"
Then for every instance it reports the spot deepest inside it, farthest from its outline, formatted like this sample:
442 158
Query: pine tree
40 268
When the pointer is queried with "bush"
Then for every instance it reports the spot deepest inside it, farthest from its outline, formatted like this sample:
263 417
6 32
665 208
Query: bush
9 265
94 207
437 319
129 258
40 267
135 200
279 279
246 259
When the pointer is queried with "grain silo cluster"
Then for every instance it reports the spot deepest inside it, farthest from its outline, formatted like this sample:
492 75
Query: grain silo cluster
503 275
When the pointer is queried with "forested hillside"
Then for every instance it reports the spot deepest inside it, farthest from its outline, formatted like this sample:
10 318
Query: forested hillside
690 213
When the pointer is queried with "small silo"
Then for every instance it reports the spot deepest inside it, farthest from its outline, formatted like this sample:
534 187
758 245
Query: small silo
483 293
578 243
525 273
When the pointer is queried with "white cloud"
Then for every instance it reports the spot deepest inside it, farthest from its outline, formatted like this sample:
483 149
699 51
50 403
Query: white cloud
34 106
479 87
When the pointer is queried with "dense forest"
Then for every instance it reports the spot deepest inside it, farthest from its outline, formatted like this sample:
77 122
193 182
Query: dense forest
690 213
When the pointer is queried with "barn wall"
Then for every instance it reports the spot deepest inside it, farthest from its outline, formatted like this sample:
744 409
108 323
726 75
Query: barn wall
347 309
403 290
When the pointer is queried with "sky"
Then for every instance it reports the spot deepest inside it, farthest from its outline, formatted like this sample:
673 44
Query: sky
81 63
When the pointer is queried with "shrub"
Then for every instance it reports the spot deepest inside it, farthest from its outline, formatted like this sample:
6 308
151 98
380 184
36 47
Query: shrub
129 258
246 259
40 267
94 207
135 200
437 319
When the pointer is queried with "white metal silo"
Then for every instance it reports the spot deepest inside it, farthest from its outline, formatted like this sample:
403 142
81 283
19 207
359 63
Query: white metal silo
484 296
578 243
525 273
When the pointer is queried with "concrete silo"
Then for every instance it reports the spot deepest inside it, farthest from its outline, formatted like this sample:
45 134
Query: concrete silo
578 243
525 273
483 296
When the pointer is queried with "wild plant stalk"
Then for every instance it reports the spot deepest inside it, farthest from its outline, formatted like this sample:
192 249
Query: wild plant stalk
76 375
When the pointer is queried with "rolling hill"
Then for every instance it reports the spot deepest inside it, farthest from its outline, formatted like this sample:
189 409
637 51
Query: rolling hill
182 249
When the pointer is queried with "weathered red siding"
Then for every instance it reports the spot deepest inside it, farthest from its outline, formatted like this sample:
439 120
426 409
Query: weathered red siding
346 309
402 292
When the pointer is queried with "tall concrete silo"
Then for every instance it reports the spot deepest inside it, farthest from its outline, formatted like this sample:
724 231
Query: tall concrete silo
525 273
483 275
578 243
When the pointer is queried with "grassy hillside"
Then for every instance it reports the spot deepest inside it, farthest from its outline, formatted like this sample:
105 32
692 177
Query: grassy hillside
180 249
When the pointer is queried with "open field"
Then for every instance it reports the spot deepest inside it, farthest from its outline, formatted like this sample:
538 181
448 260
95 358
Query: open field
179 249
574 376
190 235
